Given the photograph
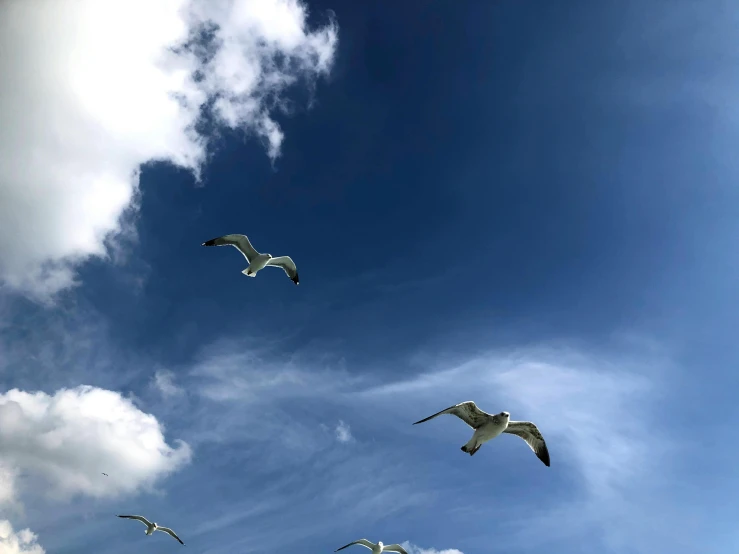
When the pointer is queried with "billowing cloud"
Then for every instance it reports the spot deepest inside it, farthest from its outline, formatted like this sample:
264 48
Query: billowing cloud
18 542
94 89
67 440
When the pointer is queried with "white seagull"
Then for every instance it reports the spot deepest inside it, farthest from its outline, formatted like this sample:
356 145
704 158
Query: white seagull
256 260
488 427
376 548
151 527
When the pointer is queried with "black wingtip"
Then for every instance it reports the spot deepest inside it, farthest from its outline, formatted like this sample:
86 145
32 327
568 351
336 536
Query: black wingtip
211 242
296 280
545 459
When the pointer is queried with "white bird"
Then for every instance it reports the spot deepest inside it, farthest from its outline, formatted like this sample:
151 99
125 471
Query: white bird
151 527
488 427
256 260
376 548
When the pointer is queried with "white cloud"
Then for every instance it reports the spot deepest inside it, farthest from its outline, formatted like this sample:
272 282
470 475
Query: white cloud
92 90
69 439
20 542
164 383
343 432
413 549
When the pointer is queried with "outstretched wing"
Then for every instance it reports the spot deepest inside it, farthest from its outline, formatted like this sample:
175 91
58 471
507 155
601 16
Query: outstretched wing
142 519
286 263
239 241
530 433
467 412
394 548
171 533
363 542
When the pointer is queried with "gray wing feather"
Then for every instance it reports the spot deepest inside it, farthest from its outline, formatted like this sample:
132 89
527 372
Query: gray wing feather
286 263
530 433
170 533
142 519
241 242
394 548
467 412
363 542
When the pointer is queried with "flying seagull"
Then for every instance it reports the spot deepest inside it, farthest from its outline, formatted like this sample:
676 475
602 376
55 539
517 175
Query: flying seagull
105 474
488 427
256 260
151 527
376 548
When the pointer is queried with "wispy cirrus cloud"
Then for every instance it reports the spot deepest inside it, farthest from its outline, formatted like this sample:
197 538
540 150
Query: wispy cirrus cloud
343 432
164 382
591 409
414 549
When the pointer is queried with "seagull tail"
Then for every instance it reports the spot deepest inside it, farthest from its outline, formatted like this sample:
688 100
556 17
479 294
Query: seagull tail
470 448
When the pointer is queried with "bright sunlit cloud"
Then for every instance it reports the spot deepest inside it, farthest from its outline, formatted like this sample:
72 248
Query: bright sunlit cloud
23 541
93 90
68 439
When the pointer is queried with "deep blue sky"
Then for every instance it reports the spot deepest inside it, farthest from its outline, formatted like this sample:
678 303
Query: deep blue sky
553 179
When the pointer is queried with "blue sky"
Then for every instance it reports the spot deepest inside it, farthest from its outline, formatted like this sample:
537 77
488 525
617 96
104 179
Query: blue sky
528 204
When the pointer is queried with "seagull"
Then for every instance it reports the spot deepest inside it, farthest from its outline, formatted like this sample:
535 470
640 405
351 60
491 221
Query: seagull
151 527
256 260
376 548
105 474
489 426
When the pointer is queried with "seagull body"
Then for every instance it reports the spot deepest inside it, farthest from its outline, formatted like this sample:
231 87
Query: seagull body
151 527
256 260
376 548
489 426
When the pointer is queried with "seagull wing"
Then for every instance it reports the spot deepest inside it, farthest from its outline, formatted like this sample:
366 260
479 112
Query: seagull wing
239 241
363 542
142 519
286 263
530 433
467 412
170 532
394 548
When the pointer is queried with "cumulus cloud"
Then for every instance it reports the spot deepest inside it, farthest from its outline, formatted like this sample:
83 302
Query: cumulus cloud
164 383
413 549
92 90
68 439
343 432
20 542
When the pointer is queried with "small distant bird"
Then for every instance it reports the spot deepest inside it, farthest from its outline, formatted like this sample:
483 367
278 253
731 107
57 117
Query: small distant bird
376 548
488 427
105 474
256 260
151 527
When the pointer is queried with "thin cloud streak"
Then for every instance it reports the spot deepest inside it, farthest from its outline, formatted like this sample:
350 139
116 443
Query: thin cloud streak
591 410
